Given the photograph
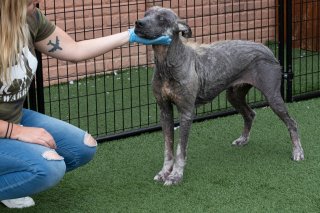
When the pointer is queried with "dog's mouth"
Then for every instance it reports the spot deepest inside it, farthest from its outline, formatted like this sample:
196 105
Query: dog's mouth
142 35
145 34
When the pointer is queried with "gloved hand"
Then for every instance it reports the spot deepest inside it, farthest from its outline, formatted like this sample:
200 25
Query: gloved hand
164 40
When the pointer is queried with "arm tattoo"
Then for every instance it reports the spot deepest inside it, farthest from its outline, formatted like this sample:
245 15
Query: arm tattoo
55 46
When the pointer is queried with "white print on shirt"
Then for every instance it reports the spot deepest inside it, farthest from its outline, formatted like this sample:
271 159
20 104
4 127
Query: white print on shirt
19 73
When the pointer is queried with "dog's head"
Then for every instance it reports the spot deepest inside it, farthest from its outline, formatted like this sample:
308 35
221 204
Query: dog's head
159 22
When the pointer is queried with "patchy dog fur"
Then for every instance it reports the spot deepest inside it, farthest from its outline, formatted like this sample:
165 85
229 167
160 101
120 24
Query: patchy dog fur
190 75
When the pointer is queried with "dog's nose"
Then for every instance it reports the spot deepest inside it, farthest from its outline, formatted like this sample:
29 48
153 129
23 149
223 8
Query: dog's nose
139 23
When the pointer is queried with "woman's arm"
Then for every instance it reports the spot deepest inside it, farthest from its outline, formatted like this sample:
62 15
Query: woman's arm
26 134
61 46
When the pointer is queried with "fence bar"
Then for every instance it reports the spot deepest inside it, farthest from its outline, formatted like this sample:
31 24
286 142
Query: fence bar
288 75
176 123
281 41
306 96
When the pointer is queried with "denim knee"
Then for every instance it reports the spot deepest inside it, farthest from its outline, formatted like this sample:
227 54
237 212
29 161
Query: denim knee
84 155
87 155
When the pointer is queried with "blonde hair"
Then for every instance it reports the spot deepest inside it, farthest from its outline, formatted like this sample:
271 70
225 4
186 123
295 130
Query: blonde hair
14 35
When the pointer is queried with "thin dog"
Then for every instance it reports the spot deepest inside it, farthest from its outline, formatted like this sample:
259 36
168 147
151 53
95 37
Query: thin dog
189 75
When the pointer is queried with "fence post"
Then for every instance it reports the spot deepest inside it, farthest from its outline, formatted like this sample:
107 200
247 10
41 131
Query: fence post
32 96
281 42
288 75
39 79
36 101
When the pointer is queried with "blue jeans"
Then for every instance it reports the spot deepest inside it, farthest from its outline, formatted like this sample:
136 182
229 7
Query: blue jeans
23 169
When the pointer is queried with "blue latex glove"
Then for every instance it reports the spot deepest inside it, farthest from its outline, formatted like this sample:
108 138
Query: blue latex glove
164 40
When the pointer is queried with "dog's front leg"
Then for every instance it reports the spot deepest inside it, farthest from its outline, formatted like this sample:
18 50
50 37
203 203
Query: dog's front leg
167 122
186 117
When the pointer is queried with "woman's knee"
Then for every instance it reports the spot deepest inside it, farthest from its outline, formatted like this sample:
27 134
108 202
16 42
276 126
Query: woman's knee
89 140
90 148
84 153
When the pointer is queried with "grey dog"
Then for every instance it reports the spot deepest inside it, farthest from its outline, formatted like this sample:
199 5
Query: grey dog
189 75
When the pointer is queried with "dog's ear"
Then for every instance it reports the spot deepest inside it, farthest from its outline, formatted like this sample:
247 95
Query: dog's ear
184 28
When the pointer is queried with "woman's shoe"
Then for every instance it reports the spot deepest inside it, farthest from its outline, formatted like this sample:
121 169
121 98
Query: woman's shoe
19 202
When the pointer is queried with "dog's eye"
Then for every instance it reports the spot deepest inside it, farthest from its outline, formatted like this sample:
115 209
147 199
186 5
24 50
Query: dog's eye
160 18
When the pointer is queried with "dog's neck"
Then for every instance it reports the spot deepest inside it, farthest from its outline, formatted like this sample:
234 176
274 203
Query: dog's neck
160 52
168 59
169 53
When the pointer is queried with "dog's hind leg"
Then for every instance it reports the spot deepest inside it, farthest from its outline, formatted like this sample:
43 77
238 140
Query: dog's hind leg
167 123
269 83
277 105
236 96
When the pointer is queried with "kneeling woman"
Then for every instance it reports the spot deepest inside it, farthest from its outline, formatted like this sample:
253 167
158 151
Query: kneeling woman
36 150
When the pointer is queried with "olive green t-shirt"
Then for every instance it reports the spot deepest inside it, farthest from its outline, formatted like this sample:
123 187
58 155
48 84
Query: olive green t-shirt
13 95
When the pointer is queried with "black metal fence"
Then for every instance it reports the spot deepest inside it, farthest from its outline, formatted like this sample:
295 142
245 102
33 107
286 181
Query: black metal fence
303 59
110 96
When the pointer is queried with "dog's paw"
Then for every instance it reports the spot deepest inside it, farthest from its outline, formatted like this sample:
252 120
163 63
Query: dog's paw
297 154
162 176
240 141
173 179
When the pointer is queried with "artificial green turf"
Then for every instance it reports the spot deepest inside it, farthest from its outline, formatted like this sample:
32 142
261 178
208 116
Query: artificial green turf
259 177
